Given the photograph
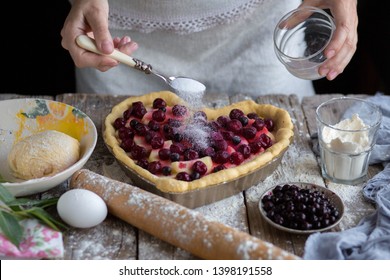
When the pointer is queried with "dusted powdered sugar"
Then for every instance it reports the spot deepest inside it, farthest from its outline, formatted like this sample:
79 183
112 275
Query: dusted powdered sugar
198 134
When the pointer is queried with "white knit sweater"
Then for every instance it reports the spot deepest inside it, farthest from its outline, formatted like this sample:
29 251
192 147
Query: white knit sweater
227 45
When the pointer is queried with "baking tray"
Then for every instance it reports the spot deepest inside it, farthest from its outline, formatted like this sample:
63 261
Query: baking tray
207 194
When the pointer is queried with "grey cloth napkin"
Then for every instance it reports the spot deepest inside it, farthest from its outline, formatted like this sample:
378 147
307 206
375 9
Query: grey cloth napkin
370 239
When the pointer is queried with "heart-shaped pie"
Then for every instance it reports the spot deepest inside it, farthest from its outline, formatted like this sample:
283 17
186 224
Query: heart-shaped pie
160 139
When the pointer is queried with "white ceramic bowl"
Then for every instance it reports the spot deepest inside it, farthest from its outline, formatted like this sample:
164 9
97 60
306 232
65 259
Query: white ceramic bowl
23 117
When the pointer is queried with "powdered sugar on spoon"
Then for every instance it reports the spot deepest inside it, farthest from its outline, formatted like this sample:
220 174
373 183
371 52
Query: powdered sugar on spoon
188 89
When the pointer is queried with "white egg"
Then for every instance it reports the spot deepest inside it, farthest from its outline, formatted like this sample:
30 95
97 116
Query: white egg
81 208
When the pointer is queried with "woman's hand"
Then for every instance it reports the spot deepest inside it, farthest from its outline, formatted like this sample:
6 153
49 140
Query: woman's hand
90 17
343 45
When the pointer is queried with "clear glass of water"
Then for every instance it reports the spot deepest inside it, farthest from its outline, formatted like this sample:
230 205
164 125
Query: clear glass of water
347 132
300 38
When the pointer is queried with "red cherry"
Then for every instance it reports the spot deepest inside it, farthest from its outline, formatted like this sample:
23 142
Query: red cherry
200 116
138 110
249 132
127 113
119 122
259 124
253 116
236 114
223 120
141 129
209 151
174 123
200 167
153 125
159 103
137 152
164 154
265 141
143 163
154 167
127 144
216 135
177 148
220 145
179 110
125 132
183 176
227 135
149 135
190 154
255 146
236 158
158 115
234 126
157 142
221 157
245 150
269 124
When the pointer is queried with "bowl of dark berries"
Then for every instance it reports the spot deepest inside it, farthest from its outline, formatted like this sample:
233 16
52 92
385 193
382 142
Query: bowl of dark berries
301 208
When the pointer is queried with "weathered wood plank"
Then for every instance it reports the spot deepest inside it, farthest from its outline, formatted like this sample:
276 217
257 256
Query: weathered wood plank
6 96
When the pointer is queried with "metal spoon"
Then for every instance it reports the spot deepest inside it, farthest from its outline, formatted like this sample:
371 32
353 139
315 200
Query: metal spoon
178 84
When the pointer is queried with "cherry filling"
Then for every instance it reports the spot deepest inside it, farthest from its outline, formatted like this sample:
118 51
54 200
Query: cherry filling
170 141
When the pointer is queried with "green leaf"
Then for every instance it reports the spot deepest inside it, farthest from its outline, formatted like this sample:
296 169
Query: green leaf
33 202
11 228
13 210
5 195
44 203
45 217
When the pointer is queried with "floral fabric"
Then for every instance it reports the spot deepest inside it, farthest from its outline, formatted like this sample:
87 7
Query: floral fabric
39 242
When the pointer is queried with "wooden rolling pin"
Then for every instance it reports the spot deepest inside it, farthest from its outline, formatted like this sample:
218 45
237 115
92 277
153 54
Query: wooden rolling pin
174 223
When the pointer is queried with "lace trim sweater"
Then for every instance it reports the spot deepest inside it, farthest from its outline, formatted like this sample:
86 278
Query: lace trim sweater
182 17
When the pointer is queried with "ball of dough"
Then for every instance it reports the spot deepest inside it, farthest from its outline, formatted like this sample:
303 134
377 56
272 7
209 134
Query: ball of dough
43 154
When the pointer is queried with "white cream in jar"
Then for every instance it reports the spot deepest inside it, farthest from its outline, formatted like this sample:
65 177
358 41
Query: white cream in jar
346 148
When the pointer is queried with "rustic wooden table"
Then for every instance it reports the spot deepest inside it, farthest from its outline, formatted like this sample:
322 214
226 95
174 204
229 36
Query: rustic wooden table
115 239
